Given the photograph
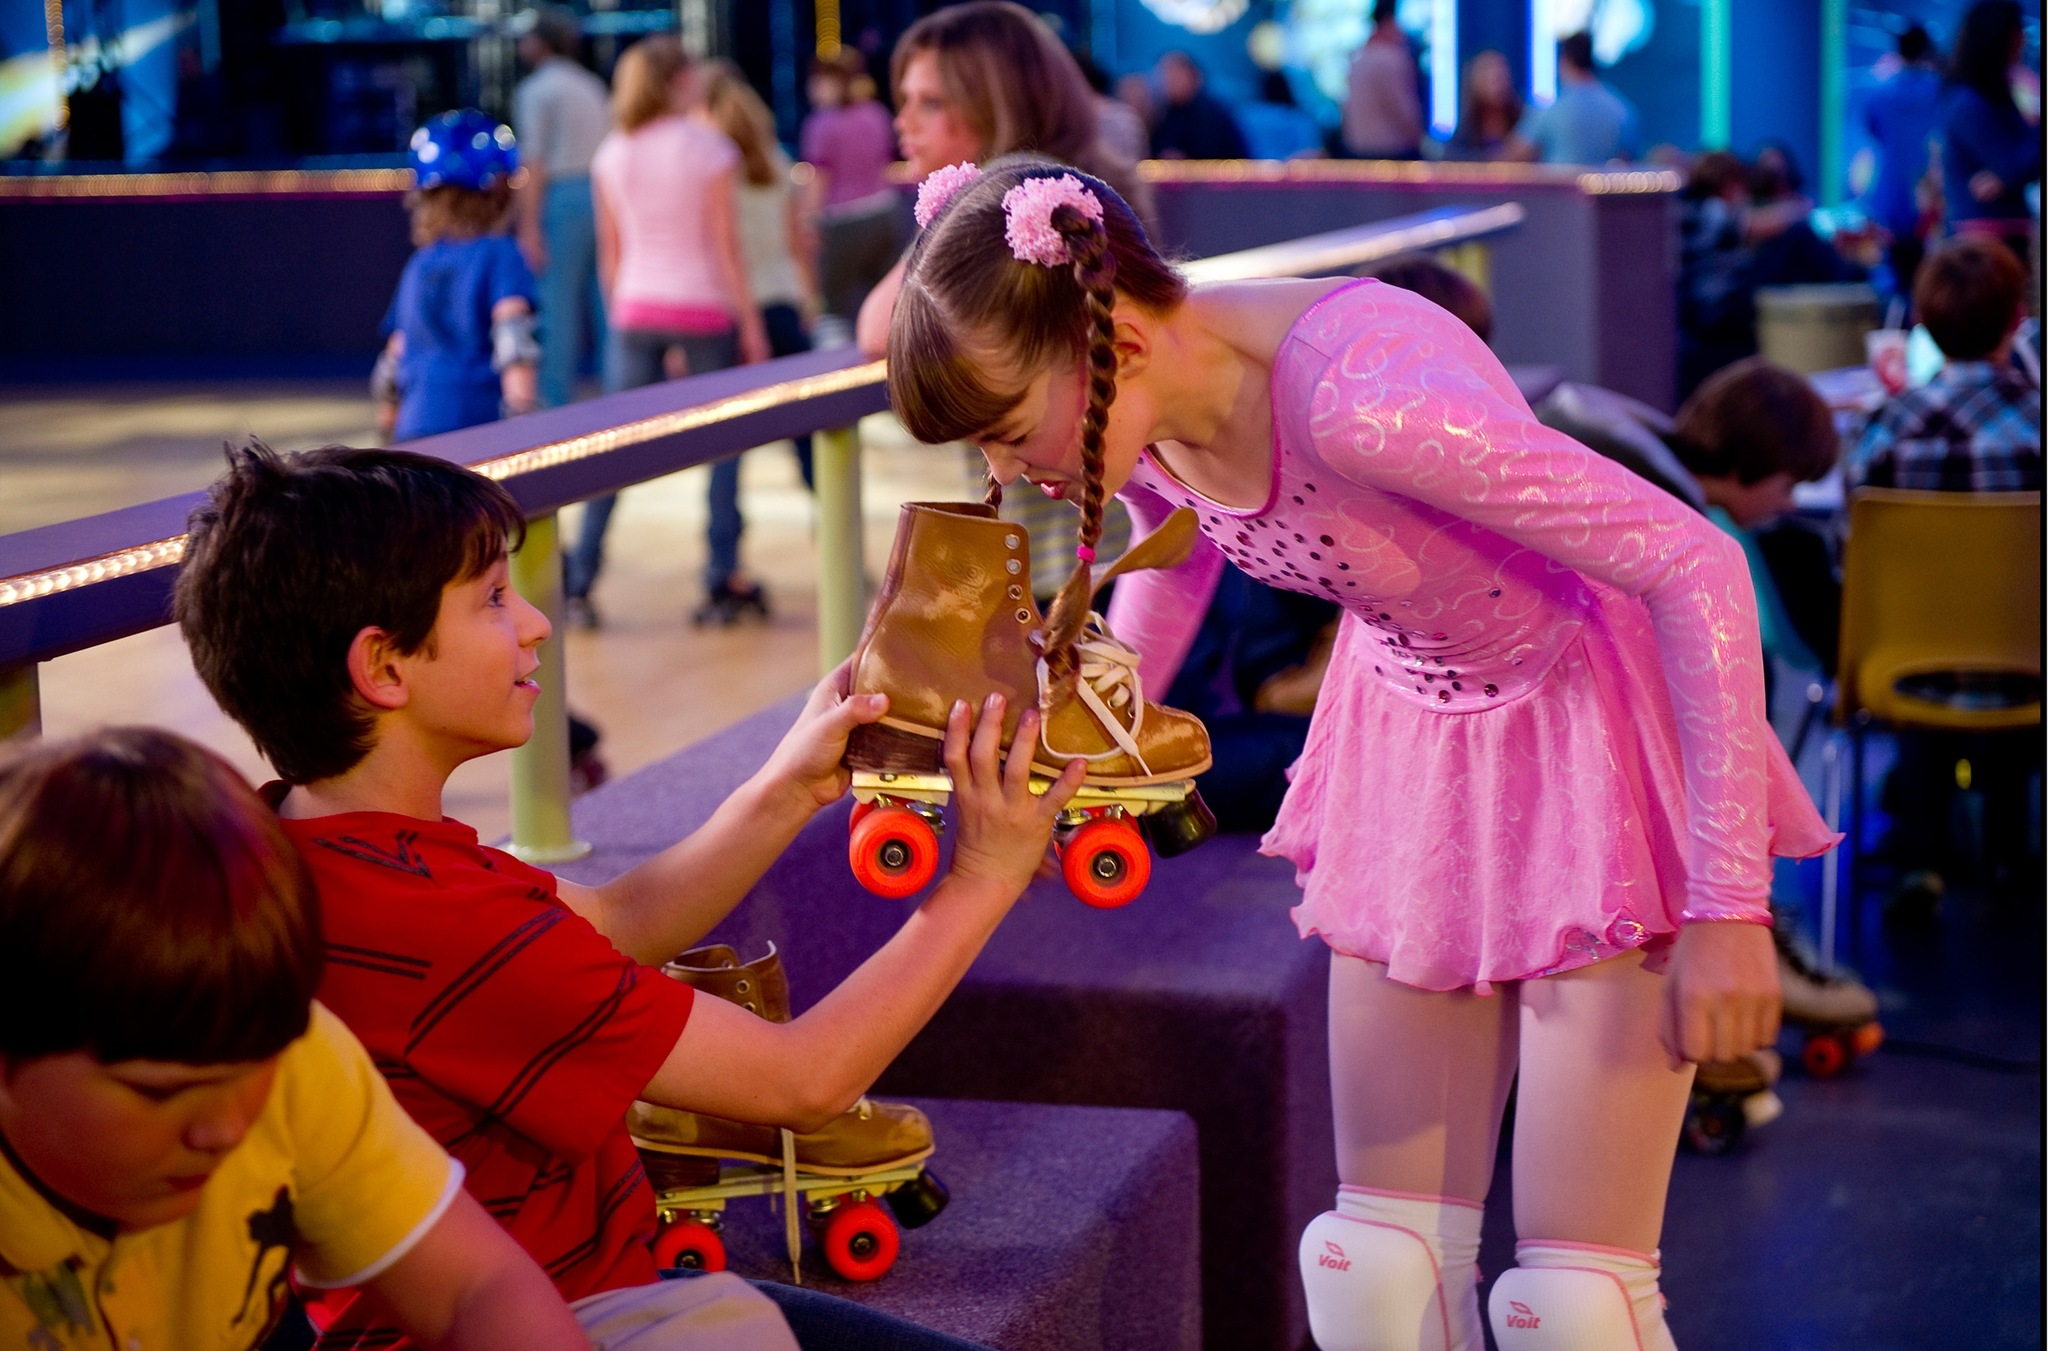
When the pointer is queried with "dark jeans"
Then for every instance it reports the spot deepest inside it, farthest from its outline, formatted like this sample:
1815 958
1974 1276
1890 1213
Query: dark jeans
571 306
786 338
635 359
825 1322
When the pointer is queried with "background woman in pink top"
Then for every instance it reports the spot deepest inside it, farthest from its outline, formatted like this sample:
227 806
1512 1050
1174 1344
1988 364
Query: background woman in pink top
1535 816
675 285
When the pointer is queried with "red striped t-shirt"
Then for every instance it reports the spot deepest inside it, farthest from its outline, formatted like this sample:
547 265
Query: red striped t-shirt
509 1028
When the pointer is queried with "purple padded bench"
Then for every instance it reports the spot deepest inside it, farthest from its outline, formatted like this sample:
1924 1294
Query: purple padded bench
1071 1229
1197 997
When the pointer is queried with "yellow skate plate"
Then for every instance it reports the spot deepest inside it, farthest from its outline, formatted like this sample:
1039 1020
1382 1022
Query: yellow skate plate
766 1180
938 788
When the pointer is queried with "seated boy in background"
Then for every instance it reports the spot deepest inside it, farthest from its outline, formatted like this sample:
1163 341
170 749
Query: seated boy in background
351 609
1975 427
181 1126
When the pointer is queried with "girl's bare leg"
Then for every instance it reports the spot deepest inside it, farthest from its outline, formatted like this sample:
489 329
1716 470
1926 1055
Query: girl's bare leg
1418 1081
1596 1125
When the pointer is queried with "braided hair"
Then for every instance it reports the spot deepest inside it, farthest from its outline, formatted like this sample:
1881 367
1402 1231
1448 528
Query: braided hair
974 324
1095 276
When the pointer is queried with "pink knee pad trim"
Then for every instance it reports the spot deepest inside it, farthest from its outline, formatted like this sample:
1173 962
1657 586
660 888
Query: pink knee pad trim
1443 1311
1411 1196
1653 1259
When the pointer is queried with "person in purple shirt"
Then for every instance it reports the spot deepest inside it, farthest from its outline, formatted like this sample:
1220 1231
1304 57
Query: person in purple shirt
1900 116
849 145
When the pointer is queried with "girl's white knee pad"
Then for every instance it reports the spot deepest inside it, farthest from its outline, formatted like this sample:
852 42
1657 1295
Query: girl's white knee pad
1578 1297
1393 1273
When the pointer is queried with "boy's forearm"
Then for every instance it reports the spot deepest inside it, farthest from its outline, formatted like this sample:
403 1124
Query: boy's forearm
801 1075
672 900
845 1041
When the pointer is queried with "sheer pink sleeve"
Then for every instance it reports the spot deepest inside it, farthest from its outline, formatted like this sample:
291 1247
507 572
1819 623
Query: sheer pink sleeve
1419 407
1159 612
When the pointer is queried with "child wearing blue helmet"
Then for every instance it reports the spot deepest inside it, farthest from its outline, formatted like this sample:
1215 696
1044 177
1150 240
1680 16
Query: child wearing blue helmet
459 337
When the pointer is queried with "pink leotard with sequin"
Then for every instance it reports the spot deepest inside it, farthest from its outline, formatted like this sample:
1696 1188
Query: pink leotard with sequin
1542 740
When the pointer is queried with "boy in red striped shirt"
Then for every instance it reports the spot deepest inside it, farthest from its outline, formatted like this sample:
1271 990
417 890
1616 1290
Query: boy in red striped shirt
352 610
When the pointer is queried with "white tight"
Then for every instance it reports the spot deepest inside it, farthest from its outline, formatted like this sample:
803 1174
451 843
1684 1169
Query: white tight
1419 1080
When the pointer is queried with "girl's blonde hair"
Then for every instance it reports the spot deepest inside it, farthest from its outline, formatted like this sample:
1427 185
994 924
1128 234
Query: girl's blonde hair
644 80
449 212
745 120
967 300
1018 90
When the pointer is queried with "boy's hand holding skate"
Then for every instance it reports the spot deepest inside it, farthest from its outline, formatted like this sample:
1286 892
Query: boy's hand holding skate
808 760
1005 829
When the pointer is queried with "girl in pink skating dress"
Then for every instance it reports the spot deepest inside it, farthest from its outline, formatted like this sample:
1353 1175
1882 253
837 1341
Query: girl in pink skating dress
1535 816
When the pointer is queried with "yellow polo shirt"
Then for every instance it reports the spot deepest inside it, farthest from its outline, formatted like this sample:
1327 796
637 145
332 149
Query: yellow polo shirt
334 1179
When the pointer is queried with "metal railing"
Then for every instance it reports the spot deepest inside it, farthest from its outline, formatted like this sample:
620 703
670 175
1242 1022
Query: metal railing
89 581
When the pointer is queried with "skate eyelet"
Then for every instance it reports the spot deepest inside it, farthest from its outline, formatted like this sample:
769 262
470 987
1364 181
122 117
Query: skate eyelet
1016 593
1023 616
1010 541
1014 567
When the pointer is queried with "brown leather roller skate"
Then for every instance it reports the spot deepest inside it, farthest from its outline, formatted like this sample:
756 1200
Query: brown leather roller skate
875 1150
956 621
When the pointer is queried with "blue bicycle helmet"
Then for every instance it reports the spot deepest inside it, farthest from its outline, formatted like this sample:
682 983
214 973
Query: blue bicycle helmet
465 149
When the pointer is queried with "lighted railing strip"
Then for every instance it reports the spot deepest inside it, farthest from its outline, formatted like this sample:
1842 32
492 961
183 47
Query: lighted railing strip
105 568
392 181
1360 245
683 420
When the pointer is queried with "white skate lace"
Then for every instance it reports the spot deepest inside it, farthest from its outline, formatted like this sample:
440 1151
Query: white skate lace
1105 683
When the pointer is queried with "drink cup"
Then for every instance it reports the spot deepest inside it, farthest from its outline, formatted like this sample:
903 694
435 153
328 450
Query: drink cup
1886 350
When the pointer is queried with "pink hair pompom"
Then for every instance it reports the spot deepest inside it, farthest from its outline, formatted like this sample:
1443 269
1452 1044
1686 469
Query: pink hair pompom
1027 216
941 186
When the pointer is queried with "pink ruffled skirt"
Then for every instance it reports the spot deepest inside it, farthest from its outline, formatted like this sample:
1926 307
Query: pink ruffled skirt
1532 837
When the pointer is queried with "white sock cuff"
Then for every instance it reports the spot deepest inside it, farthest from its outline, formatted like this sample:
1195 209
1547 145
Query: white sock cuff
1554 1252
1449 1224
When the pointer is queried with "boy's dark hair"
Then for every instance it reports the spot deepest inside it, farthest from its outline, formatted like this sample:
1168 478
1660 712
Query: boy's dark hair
1441 286
1914 44
1968 294
1755 419
448 212
151 907
289 559
1577 50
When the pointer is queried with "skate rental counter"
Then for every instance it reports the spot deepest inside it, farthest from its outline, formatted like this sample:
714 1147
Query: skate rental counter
289 272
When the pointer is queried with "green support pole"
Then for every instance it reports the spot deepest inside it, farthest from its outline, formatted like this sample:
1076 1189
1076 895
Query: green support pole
1717 73
540 769
1834 99
842 577
21 703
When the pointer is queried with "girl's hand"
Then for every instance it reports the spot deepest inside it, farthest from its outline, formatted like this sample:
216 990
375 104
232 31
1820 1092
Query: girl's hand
1005 828
808 760
1724 991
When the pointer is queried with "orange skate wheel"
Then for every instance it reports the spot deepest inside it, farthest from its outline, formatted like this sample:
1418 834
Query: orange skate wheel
691 1244
860 1241
893 852
1866 1039
1824 1055
860 813
1106 863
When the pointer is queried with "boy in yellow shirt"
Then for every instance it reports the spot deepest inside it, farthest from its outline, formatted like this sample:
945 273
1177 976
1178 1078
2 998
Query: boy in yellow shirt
181 1127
